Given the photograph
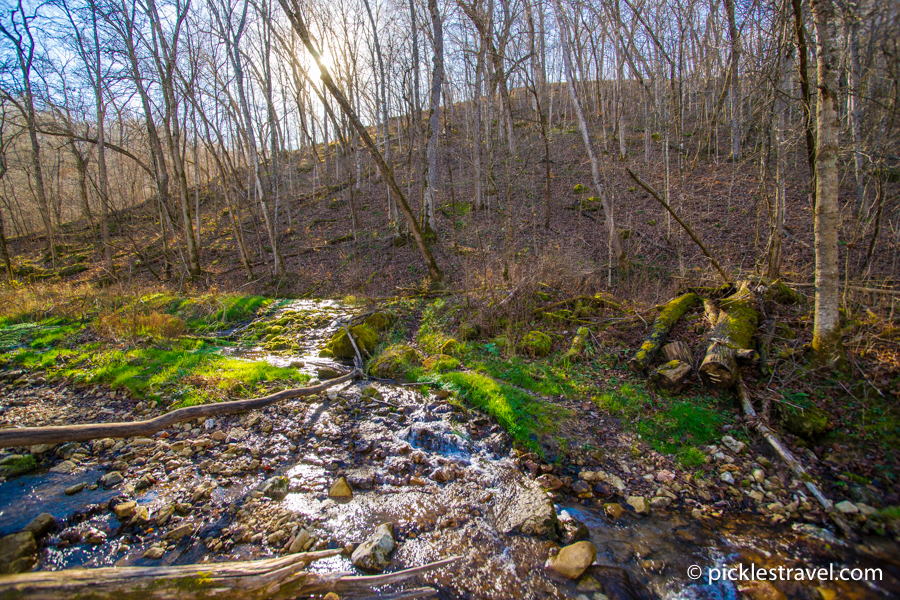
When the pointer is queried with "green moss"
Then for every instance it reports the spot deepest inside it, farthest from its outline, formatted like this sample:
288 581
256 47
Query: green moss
380 321
364 336
579 188
17 464
440 364
449 347
395 361
668 316
536 344
576 351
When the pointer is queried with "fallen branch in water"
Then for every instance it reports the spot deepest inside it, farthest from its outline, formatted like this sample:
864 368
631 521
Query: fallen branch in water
27 436
272 579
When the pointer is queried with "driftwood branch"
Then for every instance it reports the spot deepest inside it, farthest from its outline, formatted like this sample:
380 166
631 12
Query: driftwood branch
27 436
272 579
650 190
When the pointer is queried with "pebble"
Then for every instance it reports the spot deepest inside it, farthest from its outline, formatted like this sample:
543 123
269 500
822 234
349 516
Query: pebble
74 489
573 560
639 503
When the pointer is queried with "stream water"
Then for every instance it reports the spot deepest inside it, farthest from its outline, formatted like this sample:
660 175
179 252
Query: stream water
451 484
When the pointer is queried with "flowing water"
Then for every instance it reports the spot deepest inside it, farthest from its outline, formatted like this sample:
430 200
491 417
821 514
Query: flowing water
450 483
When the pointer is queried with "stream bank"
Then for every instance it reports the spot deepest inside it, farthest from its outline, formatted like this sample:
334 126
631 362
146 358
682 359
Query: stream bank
448 478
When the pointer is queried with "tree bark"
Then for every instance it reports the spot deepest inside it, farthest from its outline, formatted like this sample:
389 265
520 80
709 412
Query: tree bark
826 343
732 334
269 579
665 321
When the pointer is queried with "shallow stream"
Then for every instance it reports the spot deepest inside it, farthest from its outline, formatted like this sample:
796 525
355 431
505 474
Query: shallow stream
451 483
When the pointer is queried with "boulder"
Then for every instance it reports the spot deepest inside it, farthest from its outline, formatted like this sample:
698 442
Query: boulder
365 337
613 510
324 373
379 321
125 509
528 510
17 553
17 464
375 553
572 560
395 361
111 479
536 344
41 526
846 507
571 529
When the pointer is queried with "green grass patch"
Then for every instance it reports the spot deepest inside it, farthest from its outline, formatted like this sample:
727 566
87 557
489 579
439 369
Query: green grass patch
527 419
681 424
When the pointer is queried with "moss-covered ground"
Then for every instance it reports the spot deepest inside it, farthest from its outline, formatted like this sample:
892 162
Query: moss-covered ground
159 347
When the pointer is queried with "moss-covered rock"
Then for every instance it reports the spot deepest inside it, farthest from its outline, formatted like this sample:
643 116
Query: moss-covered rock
808 423
469 331
17 464
380 321
440 364
326 353
395 361
536 343
449 347
365 337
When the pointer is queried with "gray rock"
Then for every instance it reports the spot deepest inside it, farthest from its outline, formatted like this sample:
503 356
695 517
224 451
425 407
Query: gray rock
41 526
276 487
65 467
846 507
17 553
727 477
734 445
660 502
179 532
375 553
572 530
112 479
299 542
639 504
154 553
74 489
526 509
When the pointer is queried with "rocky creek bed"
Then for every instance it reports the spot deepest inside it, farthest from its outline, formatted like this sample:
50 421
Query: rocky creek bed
325 472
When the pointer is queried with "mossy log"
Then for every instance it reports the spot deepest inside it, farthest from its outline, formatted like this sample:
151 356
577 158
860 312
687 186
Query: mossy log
672 376
272 579
28 436
663 324
595 302
576 352
731 339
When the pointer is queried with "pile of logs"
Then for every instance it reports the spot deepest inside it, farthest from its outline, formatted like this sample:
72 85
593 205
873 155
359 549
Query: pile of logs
733 326
733 322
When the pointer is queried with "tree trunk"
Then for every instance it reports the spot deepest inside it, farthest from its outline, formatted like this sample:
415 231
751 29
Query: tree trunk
437 79
28 436
614 240
292 10
270 579
732 334
826 343
665 321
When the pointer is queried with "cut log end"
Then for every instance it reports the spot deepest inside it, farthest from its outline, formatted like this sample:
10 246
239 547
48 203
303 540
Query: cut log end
672 376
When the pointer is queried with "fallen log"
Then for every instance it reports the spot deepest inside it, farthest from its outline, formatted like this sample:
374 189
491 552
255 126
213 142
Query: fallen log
672 376
271 579
27 436
777 446
664 322
678 351
731 336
